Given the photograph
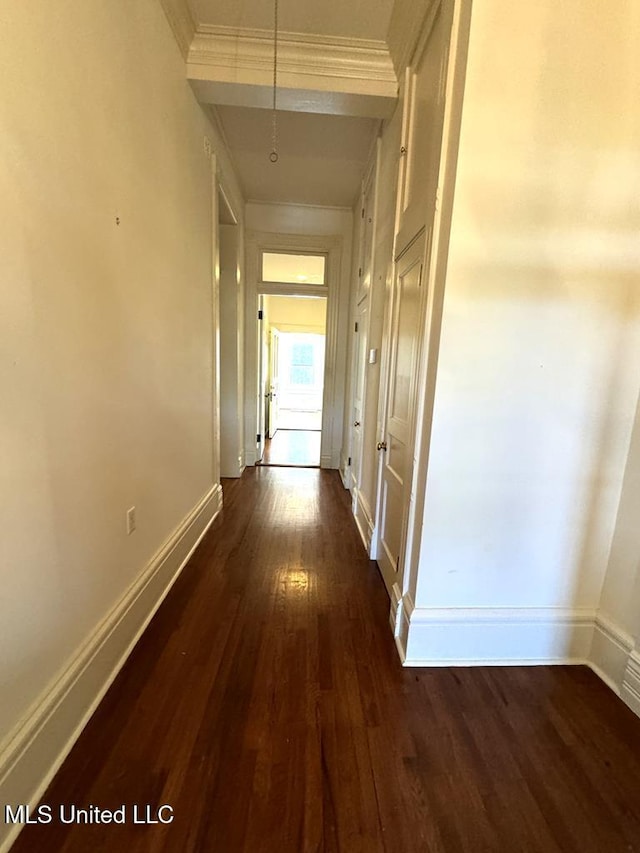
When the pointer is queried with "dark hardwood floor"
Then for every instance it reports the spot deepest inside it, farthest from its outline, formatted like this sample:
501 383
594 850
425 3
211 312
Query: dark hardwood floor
266 704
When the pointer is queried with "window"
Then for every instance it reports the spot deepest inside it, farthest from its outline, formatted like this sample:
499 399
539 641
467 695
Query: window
301 367
282 267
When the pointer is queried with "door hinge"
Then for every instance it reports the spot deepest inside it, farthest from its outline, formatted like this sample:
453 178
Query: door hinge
356 328
349 461
359 272
258 438
362 214
260 314
397 562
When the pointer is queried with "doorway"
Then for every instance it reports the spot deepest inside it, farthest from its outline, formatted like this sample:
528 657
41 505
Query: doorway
292 367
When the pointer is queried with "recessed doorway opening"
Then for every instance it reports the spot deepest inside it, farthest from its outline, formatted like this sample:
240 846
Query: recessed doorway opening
292 367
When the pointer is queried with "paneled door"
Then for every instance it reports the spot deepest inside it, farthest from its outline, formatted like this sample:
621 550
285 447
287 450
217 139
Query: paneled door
423 104
360 347
396 446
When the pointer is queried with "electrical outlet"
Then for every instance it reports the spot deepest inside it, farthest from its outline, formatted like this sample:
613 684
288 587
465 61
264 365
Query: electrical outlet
131 520
207 146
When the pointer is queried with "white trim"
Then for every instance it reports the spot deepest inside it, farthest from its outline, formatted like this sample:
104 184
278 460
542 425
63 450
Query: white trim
630 691
616 660
229 49
319 74
292 288
346 43
34 750
517 636
395 616
610 650
287 204
476 636
364 519
332 246
345 472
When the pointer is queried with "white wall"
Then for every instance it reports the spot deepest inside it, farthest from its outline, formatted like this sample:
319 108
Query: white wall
539 366
106 368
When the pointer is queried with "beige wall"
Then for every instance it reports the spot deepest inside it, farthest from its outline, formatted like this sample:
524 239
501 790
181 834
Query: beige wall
297 314
539 367
106 368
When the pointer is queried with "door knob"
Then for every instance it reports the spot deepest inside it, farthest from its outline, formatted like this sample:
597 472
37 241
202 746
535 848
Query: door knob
382 445
356 423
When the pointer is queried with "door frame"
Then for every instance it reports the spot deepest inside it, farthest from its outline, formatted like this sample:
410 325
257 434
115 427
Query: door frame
331 246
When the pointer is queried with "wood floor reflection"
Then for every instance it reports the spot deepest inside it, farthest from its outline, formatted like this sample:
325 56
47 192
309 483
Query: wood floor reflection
299 448
267 706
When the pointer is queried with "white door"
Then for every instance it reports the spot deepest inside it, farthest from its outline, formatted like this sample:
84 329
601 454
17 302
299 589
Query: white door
360 346
423 122
263 368
274 384
396 446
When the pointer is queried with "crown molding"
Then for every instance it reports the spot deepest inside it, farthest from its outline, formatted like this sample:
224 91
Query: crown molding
340 208
182 23
313 66
252 50
284 36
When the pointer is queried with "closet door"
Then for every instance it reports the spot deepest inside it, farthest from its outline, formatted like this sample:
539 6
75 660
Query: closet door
396 447
423 122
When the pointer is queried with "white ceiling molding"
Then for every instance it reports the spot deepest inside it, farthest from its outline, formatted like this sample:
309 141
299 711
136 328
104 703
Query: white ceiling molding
181 22
341 76
407 23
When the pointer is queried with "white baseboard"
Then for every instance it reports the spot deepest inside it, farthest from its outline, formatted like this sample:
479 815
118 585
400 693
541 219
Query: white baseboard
327 461
395 613
610 650
630 691
364 521
345 476
33 752
616 661
518 636
503 636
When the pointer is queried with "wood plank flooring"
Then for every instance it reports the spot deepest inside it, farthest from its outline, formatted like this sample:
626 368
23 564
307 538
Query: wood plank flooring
266 704
299 448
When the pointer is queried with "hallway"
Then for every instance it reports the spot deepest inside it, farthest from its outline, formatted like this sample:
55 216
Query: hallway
267 706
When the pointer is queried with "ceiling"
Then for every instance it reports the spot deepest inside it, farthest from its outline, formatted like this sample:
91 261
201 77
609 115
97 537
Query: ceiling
321 157
364 19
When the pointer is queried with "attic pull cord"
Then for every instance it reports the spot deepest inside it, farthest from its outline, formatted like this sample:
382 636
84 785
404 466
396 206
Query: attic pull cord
274 121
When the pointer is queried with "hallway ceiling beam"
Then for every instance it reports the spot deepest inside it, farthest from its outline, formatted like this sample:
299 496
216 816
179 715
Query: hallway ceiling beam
318 74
